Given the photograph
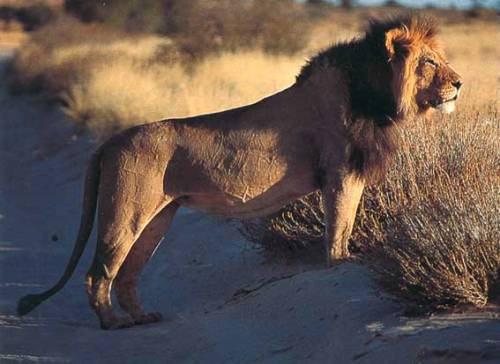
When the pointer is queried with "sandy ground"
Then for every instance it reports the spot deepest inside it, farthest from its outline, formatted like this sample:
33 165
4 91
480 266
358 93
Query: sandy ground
222 301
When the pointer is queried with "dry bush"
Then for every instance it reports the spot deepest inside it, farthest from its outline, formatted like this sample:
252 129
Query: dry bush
297 227
108 80
129 15
431 229
30 17
38 67
202 27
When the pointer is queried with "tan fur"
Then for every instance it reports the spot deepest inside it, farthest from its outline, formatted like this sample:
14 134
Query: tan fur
328 131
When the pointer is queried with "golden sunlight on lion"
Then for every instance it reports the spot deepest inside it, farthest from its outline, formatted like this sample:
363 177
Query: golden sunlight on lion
334 129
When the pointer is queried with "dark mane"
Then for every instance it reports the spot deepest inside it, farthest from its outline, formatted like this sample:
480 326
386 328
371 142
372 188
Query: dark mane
338 55
426 27
372 104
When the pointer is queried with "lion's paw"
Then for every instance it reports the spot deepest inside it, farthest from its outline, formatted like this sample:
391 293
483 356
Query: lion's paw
119 322
148 318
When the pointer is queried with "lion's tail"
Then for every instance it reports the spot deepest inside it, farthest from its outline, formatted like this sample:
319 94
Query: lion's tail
31 301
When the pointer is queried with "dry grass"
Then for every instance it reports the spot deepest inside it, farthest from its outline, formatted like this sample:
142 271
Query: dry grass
111 81
148 93
431 230
11 39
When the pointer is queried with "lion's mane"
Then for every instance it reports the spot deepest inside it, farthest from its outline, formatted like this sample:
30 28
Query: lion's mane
379 98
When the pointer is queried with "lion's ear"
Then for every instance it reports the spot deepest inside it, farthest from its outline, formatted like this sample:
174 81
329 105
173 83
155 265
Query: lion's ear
397 42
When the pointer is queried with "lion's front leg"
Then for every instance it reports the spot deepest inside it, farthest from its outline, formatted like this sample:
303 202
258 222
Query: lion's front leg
340 202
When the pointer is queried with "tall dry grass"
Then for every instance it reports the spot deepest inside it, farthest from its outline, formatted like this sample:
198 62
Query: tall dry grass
148 93
112 81
431 230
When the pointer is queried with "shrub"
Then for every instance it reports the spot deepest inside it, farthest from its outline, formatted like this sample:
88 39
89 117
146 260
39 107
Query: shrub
86 10
200 27
31 17
42 65
7 14
430 230
35 16
277 26
296 227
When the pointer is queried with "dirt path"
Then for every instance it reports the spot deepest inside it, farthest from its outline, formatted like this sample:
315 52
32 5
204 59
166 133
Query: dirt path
283 314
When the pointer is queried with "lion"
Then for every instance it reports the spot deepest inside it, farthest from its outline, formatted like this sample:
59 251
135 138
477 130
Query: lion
334 130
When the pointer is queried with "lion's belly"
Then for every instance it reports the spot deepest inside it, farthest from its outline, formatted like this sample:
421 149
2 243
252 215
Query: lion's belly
244 192
238 173
247 206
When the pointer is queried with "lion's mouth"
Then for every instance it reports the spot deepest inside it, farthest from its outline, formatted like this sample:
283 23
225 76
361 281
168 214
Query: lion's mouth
445 106
438 103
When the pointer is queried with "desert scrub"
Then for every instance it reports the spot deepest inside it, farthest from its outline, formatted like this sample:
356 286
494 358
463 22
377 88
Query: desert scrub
203 27
431 230
124 92
59 54
108 80
111 82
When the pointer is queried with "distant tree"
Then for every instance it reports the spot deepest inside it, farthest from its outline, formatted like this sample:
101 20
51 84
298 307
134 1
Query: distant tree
392 3
346 4
131 15
475 10
33 17
315 2
477 4
7 15
85 10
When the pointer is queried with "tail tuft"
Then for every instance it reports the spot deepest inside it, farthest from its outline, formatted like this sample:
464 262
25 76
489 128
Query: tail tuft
28 303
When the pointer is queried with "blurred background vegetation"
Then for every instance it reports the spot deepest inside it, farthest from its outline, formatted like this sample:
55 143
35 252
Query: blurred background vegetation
201 26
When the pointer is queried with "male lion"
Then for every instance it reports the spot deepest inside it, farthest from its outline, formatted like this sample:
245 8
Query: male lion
334 130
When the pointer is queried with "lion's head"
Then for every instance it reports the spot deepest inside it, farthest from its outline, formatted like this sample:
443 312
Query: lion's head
396 70
421 76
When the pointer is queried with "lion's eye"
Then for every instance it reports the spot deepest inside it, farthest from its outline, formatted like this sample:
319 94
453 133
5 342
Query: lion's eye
431 62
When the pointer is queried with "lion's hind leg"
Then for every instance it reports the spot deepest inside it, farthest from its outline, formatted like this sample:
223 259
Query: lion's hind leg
119 227
100 276
128 276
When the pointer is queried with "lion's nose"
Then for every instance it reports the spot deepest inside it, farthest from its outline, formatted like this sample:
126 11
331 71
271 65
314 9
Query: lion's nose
457 84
